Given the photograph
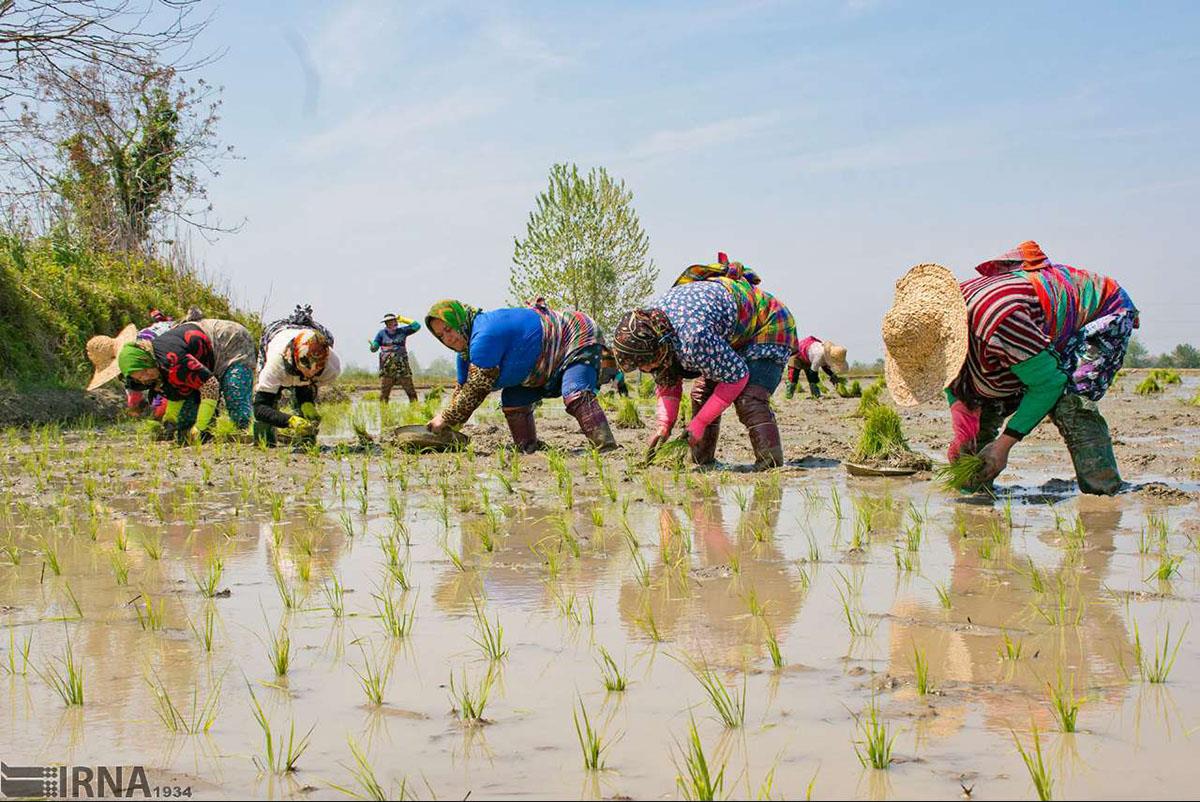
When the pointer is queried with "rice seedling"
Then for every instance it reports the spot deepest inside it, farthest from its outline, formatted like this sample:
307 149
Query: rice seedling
209 584
773 649
279 650
597 513
490 637
1168 566
1039 772
469 701
1037 579
334 596
1156 666
49 550
373 678
120 565
1166 376
397 621
849 390
203 713
960 475
150 612
874 745
1064 704
856 621
627 415
368 784
921 671
614 678
943 594
15 651
152 544
206 633
67 682
287 594
1010 649
282 756
835 504
729 706
454 559
697 780
591 742
870 399
648 624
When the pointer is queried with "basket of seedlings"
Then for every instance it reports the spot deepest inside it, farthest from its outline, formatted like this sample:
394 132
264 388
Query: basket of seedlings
417 437
882 449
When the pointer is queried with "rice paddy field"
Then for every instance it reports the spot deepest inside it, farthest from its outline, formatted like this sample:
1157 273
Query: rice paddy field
354 621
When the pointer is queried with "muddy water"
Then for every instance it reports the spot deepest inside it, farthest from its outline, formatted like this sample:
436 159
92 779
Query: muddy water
729 560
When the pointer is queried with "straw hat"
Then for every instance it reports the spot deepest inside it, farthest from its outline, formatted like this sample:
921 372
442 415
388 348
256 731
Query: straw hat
835 356
102 351
924 335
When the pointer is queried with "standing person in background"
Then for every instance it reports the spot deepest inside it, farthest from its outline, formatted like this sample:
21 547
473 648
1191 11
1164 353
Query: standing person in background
813 355
394 367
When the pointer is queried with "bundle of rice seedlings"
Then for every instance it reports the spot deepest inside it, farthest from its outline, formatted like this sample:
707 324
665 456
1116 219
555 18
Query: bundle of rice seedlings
1195 400
434 394
851 390
1166 376
627 415
671 454
645 387
869 399
961 473
1148 386
882 435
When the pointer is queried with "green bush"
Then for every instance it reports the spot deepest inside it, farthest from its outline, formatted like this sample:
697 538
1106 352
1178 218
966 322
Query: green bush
54 298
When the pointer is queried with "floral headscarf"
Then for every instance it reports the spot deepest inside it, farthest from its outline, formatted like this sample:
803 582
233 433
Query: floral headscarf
641 336
455 315
307 353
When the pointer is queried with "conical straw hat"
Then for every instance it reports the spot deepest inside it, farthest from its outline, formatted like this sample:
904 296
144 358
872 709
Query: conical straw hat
924 335
835 356
102 351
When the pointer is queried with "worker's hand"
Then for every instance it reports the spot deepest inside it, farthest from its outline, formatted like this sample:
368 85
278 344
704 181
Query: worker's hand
693 433
437 425
302 427
965 421
373 346
995 458
192 437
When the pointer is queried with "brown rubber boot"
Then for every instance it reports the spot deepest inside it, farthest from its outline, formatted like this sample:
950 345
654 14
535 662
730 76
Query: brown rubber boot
705 451
584 408
523 428
754 411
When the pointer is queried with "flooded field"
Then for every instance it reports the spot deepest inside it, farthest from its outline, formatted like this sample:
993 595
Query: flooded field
349 622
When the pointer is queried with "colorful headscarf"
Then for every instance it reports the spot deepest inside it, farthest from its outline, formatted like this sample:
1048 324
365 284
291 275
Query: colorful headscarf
641 336
457 316
132 357
307 353
722 268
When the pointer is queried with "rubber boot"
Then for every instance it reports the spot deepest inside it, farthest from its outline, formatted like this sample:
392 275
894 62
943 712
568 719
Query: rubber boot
1086 432
814 389
753 408
264 433
584 408
790 391
523 429
704 452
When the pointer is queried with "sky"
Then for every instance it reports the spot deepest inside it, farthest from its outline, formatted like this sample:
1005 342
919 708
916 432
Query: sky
389 152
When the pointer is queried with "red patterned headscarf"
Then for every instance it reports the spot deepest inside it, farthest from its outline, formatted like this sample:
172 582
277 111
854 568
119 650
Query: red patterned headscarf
307 353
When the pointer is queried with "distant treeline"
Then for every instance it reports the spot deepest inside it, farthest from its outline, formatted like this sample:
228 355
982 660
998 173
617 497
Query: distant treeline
1183 355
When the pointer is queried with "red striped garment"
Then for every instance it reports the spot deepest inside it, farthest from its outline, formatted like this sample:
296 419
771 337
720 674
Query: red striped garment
1006 325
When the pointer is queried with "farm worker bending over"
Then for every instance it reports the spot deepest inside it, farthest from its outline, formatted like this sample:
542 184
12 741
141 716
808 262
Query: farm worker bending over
530 353
193 365
393 356
715 325
1026 339
814 355
295 352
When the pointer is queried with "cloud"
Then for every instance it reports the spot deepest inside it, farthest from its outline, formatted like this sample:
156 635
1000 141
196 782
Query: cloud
519 43
673 142
354 39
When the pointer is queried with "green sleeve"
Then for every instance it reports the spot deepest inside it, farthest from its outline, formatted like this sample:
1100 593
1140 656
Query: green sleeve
172 413
204 416
1044 381
950 399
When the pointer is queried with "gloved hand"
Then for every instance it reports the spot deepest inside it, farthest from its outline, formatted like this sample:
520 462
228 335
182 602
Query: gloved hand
309 410
374 346
965 422
301 427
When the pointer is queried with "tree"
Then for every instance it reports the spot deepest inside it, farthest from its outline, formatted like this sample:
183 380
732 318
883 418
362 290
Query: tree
584 248
1136 354
1185 355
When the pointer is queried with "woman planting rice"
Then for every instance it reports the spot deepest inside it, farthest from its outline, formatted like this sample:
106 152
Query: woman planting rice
1027 339
813 355
297 353
529 353
193 365
717 326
